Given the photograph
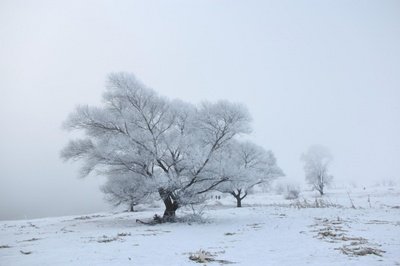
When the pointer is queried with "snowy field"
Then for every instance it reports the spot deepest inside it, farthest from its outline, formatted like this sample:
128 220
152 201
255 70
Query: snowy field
268 230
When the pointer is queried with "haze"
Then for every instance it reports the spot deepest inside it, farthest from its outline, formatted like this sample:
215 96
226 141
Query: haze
310 72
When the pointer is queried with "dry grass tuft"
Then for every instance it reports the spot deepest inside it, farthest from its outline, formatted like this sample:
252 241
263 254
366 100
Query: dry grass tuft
202 256
332 232
361 251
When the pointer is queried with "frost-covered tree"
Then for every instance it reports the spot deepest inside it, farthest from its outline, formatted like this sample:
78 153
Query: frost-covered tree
170 145
127 189
316 162
246 165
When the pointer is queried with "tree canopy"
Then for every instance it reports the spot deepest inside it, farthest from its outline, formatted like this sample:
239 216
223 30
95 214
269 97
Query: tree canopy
171 146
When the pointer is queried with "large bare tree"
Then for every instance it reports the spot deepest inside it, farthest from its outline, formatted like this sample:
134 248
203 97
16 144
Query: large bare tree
169 144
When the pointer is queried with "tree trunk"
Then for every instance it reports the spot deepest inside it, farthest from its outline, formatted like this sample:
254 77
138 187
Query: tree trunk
320 189
238 197
238 202
321 185
131 209
169 213
171 205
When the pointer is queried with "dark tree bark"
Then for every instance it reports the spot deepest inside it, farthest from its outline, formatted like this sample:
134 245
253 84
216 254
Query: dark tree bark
171 205
238 202
320 189
237 195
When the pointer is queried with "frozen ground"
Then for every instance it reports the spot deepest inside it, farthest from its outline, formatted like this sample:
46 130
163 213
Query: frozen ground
268 230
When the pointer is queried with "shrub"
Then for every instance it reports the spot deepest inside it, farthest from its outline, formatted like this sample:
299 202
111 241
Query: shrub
292 192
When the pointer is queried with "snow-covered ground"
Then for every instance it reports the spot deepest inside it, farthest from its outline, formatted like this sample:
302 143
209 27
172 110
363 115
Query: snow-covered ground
268 230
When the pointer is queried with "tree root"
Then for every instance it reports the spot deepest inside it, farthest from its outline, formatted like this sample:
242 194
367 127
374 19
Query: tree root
157 219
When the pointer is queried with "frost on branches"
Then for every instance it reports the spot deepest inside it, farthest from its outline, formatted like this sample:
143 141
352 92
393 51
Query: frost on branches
163 146
245 165
128 189
316 162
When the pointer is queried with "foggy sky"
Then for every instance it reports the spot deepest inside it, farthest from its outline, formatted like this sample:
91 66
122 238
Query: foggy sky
310 72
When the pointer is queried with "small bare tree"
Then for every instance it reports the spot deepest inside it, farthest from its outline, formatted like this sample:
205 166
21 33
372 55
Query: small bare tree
316 162
246 165
127 190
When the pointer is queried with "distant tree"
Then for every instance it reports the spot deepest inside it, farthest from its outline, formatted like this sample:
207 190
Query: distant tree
246 165
316 162
127 190
170 145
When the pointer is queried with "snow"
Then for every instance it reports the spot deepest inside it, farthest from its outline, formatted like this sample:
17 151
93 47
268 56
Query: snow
268 230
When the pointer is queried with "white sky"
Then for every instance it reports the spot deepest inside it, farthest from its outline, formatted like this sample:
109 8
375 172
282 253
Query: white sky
311 72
